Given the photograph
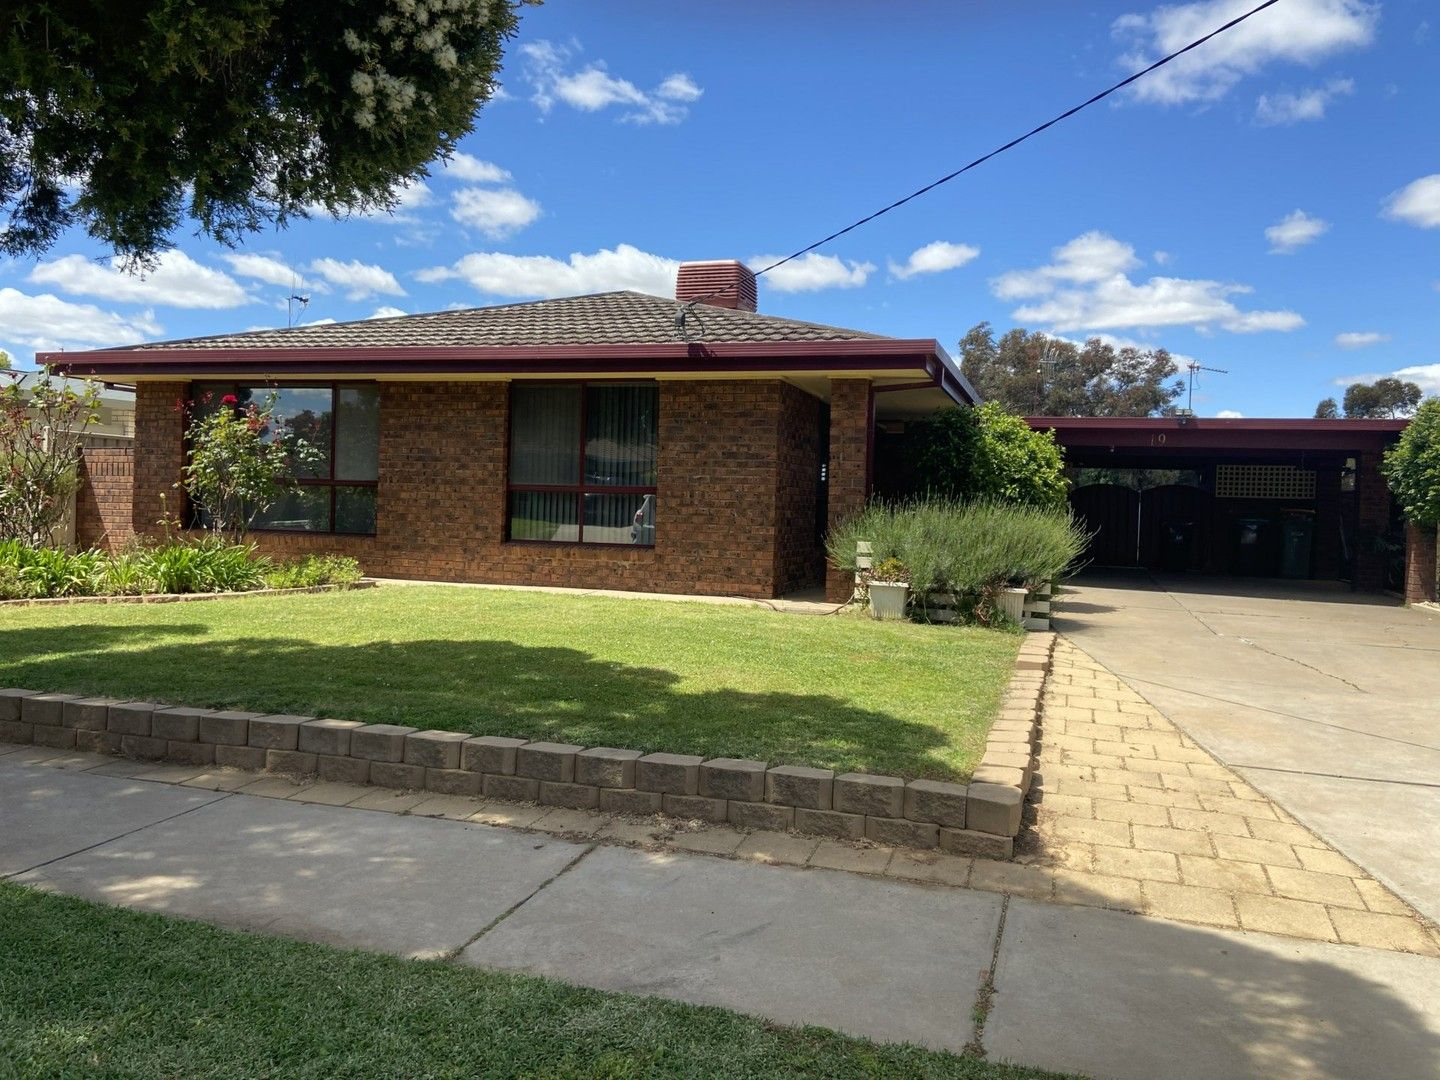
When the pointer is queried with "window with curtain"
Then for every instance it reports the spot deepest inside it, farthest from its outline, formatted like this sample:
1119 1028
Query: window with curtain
336 492
582 462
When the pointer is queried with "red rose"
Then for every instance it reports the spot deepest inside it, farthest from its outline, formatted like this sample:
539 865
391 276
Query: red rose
229 399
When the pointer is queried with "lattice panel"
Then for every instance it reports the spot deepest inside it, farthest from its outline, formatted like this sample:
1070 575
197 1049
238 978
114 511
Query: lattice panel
1264 482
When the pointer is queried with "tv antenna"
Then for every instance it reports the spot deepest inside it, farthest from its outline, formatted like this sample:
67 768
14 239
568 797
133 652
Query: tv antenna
293 299
1195 370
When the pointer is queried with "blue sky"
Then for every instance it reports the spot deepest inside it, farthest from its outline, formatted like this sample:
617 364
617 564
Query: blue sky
1271 207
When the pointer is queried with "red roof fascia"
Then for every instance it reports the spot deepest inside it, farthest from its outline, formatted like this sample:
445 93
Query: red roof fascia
1170 433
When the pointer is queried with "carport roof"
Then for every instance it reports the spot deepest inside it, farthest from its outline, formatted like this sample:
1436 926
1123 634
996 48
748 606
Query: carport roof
1179 433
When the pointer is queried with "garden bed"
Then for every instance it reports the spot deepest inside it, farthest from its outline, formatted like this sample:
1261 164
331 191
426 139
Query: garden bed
173 598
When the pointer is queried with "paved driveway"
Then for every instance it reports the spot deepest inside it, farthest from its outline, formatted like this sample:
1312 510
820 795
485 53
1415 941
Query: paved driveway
1325 700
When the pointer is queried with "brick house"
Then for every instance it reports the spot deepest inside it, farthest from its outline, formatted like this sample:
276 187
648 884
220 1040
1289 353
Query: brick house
618 440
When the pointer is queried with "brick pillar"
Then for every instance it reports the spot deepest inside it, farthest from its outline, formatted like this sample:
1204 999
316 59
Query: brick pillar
1372 497
1420 584
159 455
104 503
852 447
1325 559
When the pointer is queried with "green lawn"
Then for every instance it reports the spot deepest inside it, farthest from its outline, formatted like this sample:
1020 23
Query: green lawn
834 691
96 991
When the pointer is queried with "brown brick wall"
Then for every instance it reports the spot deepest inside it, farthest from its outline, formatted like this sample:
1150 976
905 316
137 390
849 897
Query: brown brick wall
441 509
1420 564
159 449
1372 499
851 435
103 502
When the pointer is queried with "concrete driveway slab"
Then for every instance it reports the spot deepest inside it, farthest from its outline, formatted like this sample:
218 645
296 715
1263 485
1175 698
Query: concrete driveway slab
1108 994
412 886
874 958
1323 699
46 813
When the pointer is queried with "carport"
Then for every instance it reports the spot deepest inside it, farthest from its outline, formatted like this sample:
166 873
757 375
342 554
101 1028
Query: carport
1301 499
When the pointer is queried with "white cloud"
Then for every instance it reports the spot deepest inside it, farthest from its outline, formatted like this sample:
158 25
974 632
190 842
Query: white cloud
359 280
933 259
1359 339
593 89
1162 258
1295 32
1288 108
1426 376
462 166
385 311
1417 203
1294 231
812 272
541 276
271 271
1230 414
44 321
176 281
496 212
1087 287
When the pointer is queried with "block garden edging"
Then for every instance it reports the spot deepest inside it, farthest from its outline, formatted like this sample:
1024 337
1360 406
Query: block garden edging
979 818
177 598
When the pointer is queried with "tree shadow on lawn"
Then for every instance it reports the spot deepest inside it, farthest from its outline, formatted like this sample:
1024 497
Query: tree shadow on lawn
487 687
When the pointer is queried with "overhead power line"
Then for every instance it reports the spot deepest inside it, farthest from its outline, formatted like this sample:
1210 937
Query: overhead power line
1008 146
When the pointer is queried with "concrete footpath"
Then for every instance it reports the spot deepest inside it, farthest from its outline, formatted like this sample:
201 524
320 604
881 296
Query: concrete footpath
1105 993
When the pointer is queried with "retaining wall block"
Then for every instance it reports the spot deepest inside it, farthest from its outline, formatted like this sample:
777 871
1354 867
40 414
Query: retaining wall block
830 823
761 815
178 724
452 781
380 742
994 809
969 842
10 699
397 774
53 736
510 788
87 714
142 747
669 774
326 736
228 728
97 742
695 807
606 767
130 717
937 801
15 731
733 778
183 752
240 757
1005 759
279 732
574 796
629 801
901 832
45 709
490 754
1008 736
434 749
293 762
800 786
1000 774
864 793
343 770
547 761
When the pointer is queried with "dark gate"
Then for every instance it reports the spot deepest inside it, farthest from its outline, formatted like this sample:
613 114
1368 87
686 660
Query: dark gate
1175 527
1112 514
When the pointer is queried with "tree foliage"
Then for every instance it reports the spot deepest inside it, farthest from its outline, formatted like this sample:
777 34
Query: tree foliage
42 430
124 119
1033 374
1327 410
984 453
1385 398
1412 466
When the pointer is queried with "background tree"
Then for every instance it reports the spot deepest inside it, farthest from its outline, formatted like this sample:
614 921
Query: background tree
1327 410
1412 468
125 119
4 360
1385 398
1031 373
42 429
983 453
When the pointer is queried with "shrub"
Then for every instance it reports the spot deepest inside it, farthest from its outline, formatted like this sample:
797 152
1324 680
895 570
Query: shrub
983 453
50 571
314 570
972 549
42 428
206 565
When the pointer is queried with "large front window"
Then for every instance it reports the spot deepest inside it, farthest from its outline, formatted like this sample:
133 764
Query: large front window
335 492
582 462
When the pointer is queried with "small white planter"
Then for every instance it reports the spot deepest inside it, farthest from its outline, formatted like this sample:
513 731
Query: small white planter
887 599
1012 603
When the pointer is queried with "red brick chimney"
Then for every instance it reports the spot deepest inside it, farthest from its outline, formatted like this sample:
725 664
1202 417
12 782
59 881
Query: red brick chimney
720 283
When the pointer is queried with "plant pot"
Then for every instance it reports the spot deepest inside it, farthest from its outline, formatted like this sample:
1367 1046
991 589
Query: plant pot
1012 604
887 599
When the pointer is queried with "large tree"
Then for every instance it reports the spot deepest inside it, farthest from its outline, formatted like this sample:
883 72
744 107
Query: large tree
1385 398
1327 410
127 119
1034 374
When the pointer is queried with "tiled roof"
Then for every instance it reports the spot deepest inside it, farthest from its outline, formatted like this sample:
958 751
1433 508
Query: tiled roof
613 318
